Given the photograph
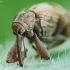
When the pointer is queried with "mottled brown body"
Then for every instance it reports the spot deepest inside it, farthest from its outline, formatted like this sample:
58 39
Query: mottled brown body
53 18
54 22
42 22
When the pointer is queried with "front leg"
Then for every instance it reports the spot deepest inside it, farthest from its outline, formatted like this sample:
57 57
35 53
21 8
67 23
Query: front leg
54 38
40 48
12 54
38 54
58 39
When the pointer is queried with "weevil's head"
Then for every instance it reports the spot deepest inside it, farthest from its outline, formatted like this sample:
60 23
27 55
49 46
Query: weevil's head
24 24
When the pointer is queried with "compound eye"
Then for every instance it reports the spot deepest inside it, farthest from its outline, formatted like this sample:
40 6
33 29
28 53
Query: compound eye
14 33
20 32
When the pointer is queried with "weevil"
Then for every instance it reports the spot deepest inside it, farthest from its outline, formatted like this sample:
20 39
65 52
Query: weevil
47 22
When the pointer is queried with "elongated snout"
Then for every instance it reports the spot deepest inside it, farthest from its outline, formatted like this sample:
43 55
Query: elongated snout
19 44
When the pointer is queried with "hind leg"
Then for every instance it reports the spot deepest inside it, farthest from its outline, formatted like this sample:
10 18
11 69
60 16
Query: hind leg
61 39
56 40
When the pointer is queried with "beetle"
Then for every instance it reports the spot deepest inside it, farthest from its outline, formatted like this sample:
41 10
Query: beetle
47 22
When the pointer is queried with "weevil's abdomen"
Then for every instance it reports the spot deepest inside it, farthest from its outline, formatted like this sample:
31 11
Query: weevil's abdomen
49 15
47 20
48 9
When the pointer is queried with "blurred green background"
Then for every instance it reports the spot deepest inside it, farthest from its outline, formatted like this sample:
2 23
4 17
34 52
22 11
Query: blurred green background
9 8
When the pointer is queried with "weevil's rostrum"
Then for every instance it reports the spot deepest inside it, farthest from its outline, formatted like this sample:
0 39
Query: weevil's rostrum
47 22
